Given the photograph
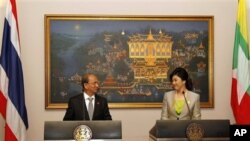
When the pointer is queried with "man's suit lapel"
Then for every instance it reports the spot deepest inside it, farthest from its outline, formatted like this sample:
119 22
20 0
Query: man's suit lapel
84 110
97 106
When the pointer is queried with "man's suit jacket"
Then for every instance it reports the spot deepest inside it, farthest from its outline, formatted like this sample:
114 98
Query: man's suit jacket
168 110
77 109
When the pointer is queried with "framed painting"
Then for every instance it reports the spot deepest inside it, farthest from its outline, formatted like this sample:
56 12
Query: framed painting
131 55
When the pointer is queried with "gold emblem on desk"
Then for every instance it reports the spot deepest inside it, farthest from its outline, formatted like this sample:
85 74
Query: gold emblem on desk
194 132
82 133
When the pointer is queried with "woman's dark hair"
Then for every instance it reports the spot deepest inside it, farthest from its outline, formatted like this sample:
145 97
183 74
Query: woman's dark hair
182 73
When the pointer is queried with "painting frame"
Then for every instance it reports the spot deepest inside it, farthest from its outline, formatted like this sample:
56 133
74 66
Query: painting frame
50 64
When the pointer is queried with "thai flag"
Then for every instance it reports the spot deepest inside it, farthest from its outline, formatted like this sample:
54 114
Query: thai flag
12 100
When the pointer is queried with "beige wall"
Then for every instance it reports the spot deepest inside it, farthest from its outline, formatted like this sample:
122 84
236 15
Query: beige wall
136 122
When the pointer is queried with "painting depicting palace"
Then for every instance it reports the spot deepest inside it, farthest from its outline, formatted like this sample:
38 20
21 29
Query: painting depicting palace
133 65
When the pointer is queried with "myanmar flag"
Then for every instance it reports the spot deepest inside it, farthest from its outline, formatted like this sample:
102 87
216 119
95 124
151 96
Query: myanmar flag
240 94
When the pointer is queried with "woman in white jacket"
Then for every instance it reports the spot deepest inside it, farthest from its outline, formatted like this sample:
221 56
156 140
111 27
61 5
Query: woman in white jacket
181 103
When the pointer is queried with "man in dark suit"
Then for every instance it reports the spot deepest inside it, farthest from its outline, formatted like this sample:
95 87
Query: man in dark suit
88 105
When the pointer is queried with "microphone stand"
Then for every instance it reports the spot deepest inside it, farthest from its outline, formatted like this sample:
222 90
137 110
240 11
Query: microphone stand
189 112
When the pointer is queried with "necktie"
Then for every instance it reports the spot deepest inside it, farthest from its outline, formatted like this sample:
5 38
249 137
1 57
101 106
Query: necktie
91 108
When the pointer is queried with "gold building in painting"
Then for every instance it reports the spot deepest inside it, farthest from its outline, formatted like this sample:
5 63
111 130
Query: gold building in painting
150 54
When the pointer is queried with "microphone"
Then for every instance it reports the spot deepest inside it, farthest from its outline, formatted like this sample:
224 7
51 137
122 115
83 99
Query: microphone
187 105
